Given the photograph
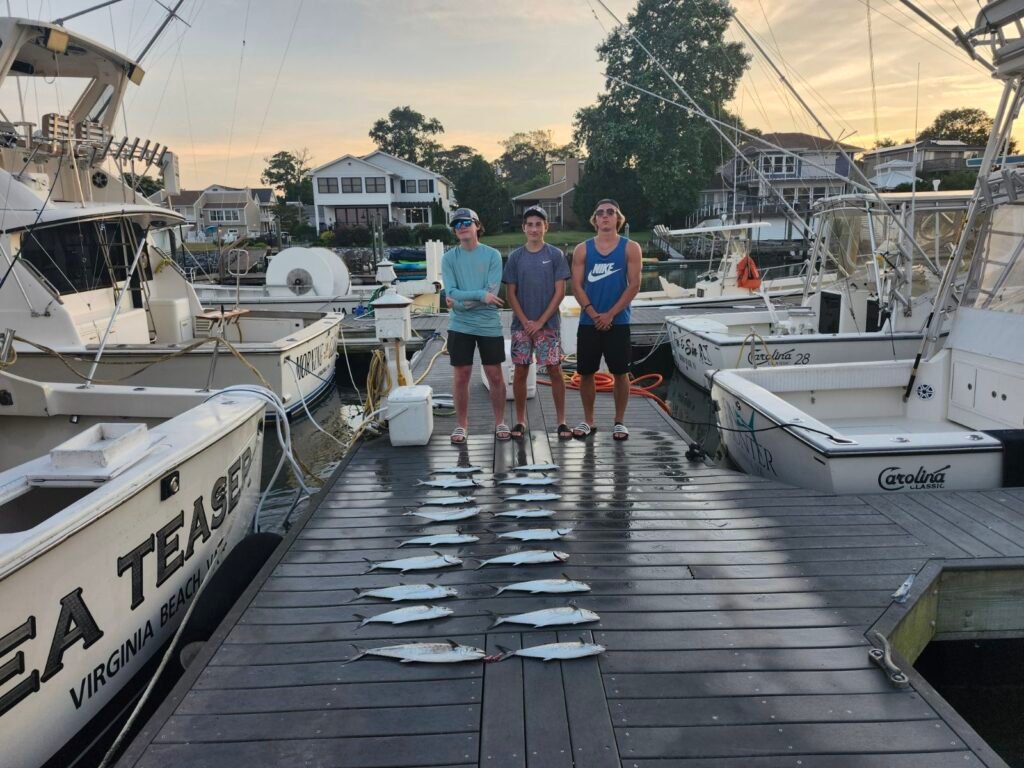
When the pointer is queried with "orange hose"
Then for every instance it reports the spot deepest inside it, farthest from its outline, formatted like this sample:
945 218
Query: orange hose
605 382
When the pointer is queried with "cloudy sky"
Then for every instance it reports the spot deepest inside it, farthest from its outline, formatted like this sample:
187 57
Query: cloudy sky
317 73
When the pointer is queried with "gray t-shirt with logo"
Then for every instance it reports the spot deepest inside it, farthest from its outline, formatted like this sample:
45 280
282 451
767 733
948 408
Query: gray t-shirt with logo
534 275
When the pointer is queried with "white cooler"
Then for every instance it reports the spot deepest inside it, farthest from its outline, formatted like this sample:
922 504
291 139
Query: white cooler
410 415
509 371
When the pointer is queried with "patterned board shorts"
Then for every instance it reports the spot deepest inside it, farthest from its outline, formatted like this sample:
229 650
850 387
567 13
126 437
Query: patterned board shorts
547 346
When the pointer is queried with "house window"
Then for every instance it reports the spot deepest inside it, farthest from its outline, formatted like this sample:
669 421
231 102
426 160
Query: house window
778 165
375 184
425 185
416 216
327 185
409 186
350 184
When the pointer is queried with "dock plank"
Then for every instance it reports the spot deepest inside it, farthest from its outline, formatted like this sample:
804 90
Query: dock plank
733 610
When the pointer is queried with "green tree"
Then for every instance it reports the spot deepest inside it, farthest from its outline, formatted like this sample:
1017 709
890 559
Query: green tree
602 180
450 162
477 187
969 125
885 142
524 163
144 185
406 133
671 152
287 173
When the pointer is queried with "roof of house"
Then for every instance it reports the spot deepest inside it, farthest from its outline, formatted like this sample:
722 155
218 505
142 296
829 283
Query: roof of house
796 140
547 192
951 144
186 197
263 194
347 157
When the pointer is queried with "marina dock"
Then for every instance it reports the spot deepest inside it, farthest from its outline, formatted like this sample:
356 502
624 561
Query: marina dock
734 611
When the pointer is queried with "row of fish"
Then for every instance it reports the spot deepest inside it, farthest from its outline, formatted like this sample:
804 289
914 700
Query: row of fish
450 509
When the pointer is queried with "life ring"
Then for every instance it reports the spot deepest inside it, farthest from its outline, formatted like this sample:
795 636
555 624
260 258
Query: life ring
747 275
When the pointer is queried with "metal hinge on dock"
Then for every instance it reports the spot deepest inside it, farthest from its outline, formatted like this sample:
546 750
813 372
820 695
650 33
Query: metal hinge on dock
883 658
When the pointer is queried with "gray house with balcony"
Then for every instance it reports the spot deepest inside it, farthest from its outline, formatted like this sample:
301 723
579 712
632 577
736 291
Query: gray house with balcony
931 156
798 166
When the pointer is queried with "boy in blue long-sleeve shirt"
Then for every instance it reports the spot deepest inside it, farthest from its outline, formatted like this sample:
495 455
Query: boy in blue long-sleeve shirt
472 273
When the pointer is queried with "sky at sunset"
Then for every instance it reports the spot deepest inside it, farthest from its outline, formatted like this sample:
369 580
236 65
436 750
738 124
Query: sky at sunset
317 73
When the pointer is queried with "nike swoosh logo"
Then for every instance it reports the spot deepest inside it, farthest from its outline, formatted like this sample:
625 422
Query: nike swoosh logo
592 278
546 262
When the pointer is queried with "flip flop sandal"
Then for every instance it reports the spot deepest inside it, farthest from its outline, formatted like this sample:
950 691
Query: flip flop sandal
564 433
458 436
518 430
502 433
583 430
620 432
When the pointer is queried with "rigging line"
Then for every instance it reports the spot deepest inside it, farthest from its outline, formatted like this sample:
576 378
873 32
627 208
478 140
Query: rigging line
167 82
273 88
871 66
967 21
596 17
188 117
238 84
969 63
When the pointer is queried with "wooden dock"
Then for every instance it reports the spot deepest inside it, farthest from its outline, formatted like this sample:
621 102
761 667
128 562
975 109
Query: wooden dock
734 611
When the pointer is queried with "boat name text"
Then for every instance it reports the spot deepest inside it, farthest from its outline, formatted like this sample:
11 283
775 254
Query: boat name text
896 479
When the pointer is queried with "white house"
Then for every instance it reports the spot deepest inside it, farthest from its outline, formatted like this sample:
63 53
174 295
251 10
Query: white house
352 191
221 213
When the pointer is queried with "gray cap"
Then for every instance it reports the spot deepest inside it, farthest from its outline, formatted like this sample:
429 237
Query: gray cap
535 210
465 213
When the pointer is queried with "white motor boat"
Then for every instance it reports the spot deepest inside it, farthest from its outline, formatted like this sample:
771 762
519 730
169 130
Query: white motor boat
116 505
876 312
948 420
729 283
86 269
317 280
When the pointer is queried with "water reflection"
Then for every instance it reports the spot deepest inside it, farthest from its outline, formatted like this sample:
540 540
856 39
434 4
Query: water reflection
694 410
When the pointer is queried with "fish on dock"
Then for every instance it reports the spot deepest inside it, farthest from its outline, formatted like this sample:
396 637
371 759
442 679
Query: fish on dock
546 586
448 652
405 615
555 651
442 514
536 534
534 497
528 481
550 617
407 592
424 563
440 539
450 482
530 513
536 468
526 557
447 501
457 470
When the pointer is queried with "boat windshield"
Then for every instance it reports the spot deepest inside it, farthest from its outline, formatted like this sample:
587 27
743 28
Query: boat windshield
852 230
997 280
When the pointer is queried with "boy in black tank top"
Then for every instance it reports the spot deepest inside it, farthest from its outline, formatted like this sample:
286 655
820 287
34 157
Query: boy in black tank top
608 266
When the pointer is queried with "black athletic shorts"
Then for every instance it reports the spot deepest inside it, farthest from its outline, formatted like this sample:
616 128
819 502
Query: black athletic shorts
461 346
614 344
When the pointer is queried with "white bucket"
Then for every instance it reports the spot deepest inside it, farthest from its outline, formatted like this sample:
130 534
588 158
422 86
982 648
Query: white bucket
508 370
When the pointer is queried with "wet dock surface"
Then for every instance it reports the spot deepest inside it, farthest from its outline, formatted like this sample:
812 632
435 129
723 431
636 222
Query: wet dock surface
733 609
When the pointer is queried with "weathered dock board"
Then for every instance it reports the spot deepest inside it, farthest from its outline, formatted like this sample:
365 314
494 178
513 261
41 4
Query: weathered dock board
734 611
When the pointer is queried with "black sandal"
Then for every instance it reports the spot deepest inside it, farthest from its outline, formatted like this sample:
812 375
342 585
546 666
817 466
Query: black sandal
518 430
564 433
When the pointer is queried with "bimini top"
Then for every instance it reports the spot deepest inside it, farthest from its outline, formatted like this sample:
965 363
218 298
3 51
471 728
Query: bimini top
81 56
750 225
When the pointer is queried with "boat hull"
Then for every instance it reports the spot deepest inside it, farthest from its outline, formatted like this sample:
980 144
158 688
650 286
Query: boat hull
80 618
299 368
696 354
760 446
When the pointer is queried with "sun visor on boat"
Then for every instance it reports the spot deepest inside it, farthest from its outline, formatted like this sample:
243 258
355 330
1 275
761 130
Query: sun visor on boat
96 455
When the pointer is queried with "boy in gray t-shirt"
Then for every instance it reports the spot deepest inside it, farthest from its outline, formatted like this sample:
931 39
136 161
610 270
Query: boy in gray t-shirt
535 275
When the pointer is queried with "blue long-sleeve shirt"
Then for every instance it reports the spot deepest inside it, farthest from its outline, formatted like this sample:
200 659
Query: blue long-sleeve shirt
468 277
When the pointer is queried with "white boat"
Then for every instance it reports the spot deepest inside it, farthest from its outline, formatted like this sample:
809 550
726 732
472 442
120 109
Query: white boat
86 263
876 312
725 285
317 280
116 504
955 420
